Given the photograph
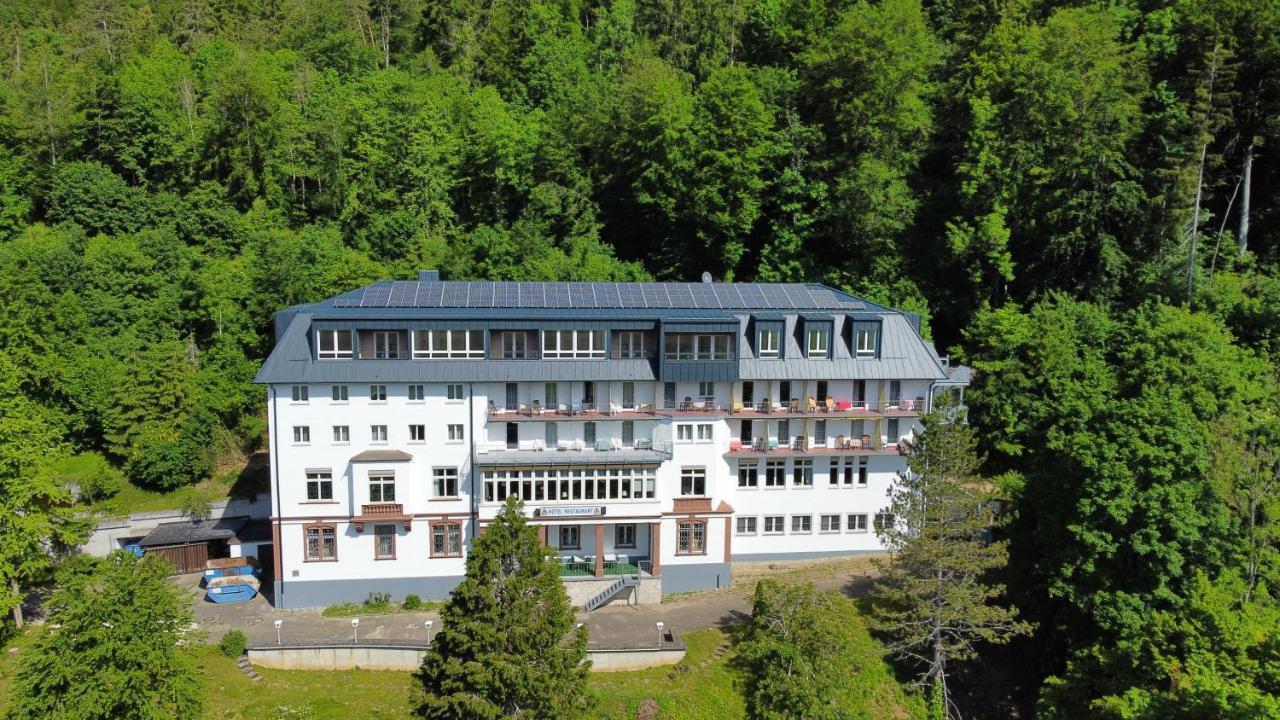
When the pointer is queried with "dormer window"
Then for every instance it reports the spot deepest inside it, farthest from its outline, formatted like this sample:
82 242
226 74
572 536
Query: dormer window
631 344
699 347
514 346
573 343
386 345
865 343
448 343
334 344
767 343
818 342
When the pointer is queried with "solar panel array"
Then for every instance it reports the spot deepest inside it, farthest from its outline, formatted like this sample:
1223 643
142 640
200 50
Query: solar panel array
584 295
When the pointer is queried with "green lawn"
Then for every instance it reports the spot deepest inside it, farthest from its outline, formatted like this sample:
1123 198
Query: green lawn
131 498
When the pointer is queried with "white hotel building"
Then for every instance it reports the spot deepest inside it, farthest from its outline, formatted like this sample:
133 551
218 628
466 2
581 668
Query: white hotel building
659 431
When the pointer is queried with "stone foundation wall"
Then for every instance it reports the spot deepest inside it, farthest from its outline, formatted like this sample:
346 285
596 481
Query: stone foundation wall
582 590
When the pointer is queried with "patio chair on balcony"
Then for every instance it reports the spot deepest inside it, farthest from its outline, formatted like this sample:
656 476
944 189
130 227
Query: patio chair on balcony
602 445
535 408
830 404
735 445
773 443
844 406
579 445
759 444
811 405
494 409
615 444
644 444
614 408
798 443
794 406
840 443
539 445
564 445
562 409
735 408
855 443
766 406
575 409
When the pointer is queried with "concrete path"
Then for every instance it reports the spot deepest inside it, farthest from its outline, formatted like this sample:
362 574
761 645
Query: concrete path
613 625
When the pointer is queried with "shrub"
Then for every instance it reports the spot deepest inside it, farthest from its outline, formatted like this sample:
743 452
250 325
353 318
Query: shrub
377 602
411 602
233 644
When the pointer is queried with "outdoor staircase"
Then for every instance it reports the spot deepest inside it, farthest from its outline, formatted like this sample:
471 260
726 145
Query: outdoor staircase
622 583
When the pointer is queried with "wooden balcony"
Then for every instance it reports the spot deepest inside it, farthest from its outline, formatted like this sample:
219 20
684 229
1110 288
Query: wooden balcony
382 513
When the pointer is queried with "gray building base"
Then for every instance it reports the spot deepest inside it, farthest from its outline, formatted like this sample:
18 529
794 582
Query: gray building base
688 578
782 557
323 593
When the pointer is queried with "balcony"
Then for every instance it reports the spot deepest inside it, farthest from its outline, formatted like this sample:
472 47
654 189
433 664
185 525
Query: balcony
573 452
829 408
620 564
535 411
382 513
762 448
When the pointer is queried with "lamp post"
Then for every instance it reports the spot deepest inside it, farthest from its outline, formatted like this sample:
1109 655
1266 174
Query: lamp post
660 626
355 629
428 625
278 624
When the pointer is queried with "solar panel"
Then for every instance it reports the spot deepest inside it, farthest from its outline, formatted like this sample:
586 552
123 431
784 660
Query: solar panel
454 294
531 295
506 295
403 292
376 296
630 295
752 296
581 295
775 297
557 295
655 296
704 295
680 294
799 296
480 295
606 295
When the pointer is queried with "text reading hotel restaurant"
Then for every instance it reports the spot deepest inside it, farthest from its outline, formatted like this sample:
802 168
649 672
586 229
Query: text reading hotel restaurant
656 432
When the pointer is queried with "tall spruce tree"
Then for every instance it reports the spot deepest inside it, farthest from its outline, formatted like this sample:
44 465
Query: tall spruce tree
508 647
936 603
117 645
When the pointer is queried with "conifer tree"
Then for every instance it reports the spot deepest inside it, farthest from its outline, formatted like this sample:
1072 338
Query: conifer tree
936 602
508 647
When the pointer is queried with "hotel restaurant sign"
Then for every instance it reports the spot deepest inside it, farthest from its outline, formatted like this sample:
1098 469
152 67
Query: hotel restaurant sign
571 511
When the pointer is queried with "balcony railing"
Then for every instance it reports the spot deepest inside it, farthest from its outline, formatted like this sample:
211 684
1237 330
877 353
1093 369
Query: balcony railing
827 407
621 564
602 445
841 446
382 512
536 410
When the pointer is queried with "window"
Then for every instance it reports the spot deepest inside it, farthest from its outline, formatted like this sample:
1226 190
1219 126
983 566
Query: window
416 393
445 481
628 433
773 524
749 476
829 523
321 543
384 546
455 392
589 433
693 481
378 393
775 473
892 431
684 432
446 539
333 344
746 525
630 345
862 472
382 487
301 393
895 391
338 393
455 433
570 538
699 347
514 346
577 484
549 396
624 536
703 431
767 343
802 524
573 343
378 433
866 343
628 395
550 434
691 537
417 433
802 473
884 521
820 433
707 390
386 345
302 433
818 341
448 343
857 523
342 433
319 485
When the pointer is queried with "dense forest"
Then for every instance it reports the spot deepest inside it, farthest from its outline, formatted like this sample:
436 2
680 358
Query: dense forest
1082 198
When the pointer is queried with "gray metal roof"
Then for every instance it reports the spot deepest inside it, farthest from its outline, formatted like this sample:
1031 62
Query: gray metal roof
683 306
190 532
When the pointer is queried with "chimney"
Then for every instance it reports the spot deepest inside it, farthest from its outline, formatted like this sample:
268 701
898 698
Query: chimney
428 276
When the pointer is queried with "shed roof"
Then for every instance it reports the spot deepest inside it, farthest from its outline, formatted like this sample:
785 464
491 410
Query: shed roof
189 532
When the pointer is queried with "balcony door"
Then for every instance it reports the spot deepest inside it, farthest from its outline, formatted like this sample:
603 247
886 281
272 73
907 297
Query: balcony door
513 396
513 436
748 393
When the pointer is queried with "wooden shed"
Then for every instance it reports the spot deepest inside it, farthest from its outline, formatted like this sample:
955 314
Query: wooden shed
190 543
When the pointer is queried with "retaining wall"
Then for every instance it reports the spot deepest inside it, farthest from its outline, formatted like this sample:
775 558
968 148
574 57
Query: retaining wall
107 535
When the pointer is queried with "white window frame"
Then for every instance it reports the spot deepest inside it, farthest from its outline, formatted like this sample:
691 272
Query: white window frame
335 350
778 521
706 432
752 471
341 434
322 482
631 344
767 343
865 339
706 390
780 466
693 476
417 393
684 432
457 433
826 523
558 344
455 392
804 520
858 526
751 526
802 473
441 479
377 393
818 342
340 394
301 394
378 434
386 344
456 344
382 479
301 434
417 433
515 345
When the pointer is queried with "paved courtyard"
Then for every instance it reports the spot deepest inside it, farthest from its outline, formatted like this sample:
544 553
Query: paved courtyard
614 625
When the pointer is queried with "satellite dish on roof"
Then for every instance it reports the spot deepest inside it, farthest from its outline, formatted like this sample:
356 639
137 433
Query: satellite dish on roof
706 277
